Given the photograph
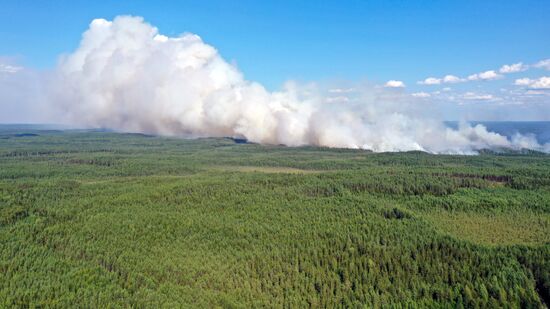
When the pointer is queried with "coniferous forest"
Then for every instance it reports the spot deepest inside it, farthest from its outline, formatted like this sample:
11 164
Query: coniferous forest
96 219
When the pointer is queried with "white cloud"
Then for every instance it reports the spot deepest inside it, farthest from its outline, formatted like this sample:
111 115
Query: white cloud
337 99
487 75
540 83
341 90
394 84
430 81
421 95
522 81
477 97
446 89
6 68
451 79
543 64
447 79
513 68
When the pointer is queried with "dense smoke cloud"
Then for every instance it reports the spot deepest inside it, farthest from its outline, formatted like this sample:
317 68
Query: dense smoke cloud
126 76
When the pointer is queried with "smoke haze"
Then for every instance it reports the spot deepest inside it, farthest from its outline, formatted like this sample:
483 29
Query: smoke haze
128 77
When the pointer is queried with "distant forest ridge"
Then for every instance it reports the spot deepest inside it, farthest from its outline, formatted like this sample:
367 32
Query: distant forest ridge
541 129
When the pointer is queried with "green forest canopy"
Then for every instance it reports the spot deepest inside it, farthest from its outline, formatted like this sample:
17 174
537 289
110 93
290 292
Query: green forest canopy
100 219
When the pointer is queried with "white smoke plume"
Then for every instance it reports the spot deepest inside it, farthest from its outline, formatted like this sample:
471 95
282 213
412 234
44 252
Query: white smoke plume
126 76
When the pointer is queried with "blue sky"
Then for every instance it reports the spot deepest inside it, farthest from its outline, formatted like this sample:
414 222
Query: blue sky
274 41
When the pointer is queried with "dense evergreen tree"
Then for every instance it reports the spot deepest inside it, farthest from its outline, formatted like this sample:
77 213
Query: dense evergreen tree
96 219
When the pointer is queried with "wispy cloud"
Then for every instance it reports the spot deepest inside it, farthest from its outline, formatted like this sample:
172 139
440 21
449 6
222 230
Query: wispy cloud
543 64
539 83
537 92
341 90
394 84
430 81
451 79
513 68
487 75
338 99
6 68
421 94
478 97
